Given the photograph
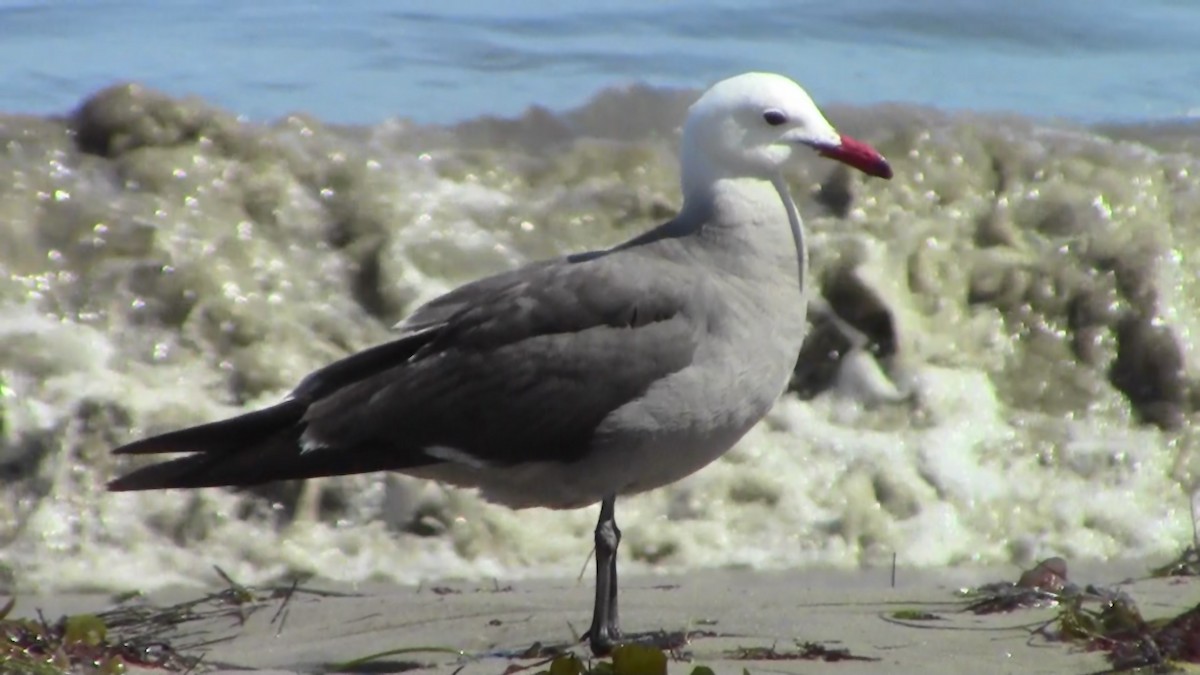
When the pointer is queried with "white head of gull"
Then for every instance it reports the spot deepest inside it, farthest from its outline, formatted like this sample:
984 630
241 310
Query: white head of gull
570 381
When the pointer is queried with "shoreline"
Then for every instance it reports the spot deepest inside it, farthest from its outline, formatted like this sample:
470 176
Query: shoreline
731 613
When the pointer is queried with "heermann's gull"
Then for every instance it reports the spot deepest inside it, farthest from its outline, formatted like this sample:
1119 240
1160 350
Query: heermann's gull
571 381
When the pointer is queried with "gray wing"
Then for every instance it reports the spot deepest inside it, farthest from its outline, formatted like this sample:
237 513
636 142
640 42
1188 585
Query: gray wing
517 367
439 311
521 366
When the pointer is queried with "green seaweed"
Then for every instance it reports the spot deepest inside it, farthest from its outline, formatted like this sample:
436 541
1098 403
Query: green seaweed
129 634
85 629
72 644
915 615
1130 641
567 664
635 659
628 659
1102 619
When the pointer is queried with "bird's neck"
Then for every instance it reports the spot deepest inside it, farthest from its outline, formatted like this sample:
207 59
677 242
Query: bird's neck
751 215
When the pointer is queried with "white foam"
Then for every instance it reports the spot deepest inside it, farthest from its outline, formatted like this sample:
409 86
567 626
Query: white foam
970 468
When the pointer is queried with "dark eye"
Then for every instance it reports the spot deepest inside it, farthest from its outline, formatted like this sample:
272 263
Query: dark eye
775 117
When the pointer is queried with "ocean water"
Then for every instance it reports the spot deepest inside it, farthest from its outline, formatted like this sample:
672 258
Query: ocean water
364 61
1025 290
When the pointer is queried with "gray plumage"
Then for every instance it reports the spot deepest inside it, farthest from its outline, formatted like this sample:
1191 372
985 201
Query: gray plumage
522 368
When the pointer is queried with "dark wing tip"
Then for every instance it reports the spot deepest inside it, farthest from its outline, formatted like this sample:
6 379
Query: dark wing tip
175 473
221 435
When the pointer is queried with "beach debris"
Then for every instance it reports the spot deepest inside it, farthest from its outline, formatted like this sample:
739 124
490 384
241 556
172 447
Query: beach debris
915 615
626 659
137 633
804 651
76 643
1043 585
1131 642
1186 565
1049 575
1095 618
1102 619
538 650
668 644
635 659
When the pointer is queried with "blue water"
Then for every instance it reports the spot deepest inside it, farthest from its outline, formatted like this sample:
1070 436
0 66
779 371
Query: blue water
361 61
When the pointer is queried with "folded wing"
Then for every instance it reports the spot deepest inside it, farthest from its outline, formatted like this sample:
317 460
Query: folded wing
497 372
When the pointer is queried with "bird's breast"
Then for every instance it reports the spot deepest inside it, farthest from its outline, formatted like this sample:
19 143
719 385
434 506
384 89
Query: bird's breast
688 419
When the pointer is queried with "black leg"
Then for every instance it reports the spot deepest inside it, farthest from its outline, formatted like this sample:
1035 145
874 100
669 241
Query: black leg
605 630
614 621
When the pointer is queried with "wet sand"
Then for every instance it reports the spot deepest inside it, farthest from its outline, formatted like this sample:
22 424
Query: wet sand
492 622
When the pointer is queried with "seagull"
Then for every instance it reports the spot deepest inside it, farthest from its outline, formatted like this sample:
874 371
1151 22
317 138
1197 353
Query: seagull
571 381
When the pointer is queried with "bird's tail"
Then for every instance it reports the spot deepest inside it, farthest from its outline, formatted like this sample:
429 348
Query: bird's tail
250 449
264 446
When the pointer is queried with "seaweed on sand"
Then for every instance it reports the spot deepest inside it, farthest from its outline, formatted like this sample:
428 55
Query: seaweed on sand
1187 564
804 651
1043 585
1130 641
131 633
641 654
1101 619
72 644
628 659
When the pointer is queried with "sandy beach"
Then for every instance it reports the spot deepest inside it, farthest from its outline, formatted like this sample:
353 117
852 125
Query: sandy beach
1003 362
731 612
